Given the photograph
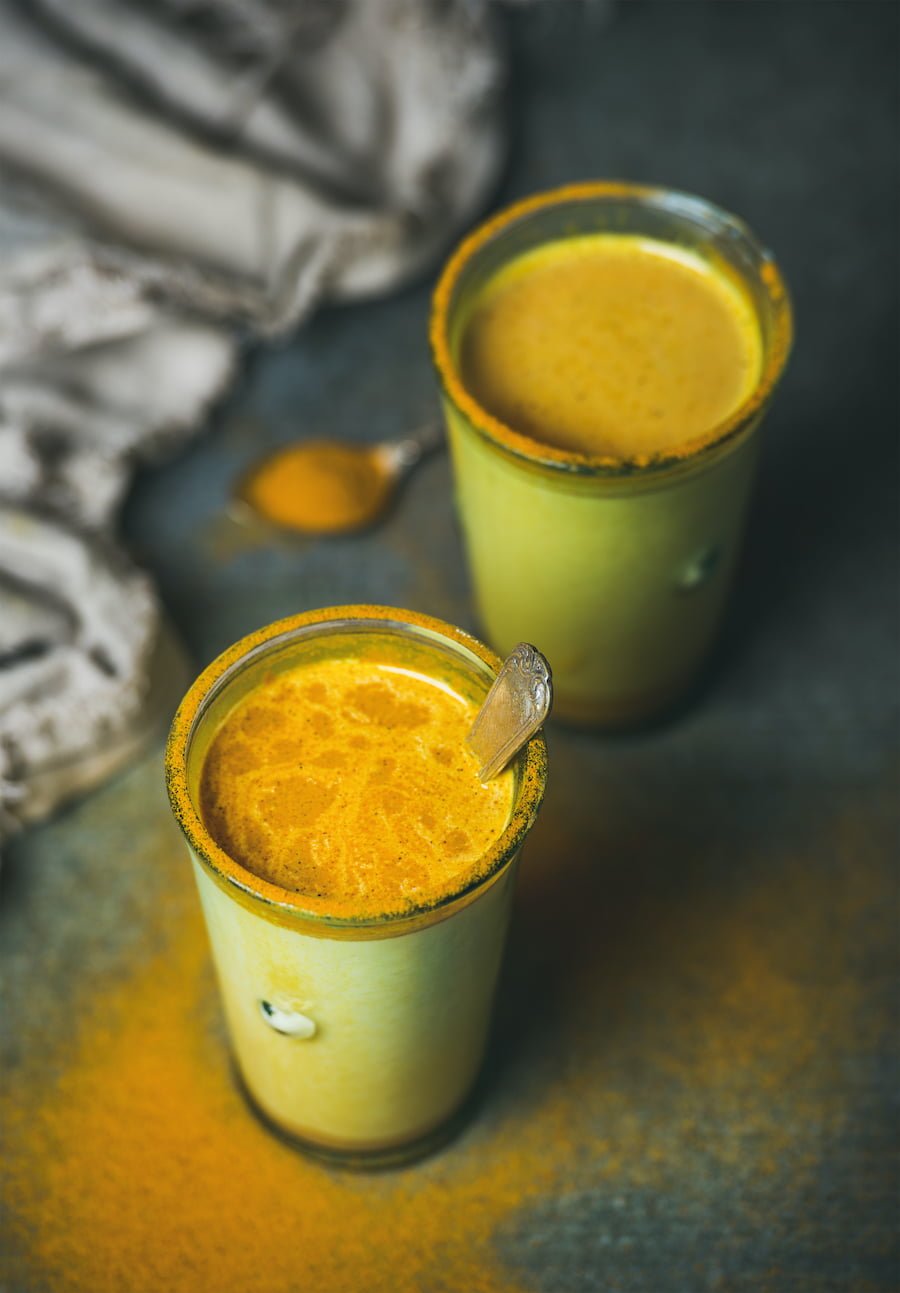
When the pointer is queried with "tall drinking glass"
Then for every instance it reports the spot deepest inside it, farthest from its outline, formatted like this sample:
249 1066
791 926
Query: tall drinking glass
357 1037
619 570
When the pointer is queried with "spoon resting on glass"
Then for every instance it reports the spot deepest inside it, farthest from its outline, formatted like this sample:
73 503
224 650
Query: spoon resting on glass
331 486
513 710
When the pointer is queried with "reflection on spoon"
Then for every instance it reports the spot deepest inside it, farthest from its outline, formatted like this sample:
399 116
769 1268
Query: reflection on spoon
513 710
329 486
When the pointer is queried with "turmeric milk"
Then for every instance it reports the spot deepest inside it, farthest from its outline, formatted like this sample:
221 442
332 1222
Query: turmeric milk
350 781
605 353
611 345
355 874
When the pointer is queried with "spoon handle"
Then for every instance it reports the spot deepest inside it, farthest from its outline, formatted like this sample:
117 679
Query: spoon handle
513 710
405 453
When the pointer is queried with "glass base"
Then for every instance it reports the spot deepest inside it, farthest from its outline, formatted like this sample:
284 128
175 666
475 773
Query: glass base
623 712
355 1158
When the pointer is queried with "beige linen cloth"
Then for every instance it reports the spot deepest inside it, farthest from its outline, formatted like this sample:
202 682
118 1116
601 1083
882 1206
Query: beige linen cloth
176 177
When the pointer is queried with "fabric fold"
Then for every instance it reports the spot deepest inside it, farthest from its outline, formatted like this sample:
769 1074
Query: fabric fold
177 178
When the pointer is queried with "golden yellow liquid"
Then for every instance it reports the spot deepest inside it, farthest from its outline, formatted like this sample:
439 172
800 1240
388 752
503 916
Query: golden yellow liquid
611 345
349 780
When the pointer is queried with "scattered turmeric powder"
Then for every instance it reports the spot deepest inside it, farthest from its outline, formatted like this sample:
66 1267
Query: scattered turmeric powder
143 1169
695 1061
321 486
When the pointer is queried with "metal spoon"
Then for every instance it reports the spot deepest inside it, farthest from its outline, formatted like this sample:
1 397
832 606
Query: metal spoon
400 456
513 710
340 486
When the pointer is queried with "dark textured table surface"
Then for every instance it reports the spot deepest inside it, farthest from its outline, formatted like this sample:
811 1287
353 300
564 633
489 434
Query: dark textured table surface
693 1079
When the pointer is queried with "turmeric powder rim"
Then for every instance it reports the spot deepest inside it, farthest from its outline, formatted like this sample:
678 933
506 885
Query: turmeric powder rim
534 452
286 906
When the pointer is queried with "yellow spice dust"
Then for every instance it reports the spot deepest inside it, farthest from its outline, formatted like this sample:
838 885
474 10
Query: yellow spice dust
141 1169
692 1055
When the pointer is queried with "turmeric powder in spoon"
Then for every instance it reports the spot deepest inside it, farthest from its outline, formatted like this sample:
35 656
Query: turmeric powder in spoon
330 487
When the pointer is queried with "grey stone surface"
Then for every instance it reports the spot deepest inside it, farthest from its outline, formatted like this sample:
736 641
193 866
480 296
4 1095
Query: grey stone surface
702 970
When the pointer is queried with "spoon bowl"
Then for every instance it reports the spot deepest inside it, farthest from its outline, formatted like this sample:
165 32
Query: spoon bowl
332 486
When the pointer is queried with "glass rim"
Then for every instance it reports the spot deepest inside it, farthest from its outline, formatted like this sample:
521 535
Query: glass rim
286 905
526 448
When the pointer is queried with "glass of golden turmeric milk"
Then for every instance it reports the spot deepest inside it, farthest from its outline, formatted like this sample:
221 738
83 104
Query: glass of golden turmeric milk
605 353
354 872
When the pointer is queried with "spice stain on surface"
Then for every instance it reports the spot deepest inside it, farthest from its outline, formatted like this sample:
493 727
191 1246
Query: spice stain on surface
235 533
680 1078
127 1168
698 1065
